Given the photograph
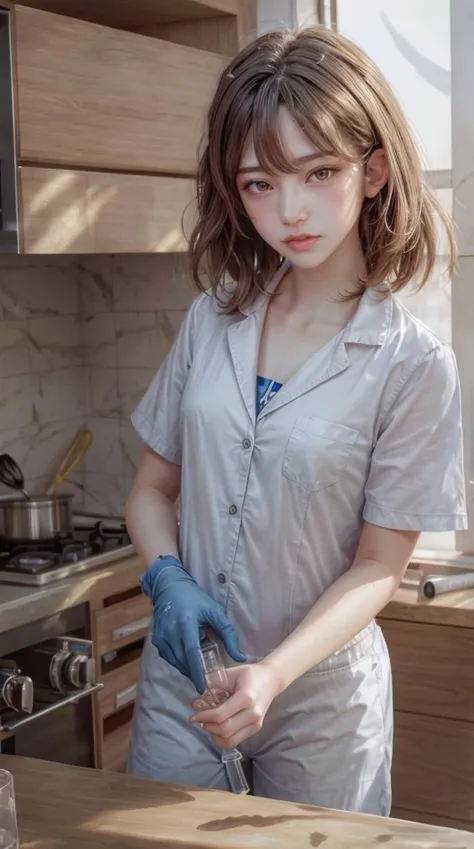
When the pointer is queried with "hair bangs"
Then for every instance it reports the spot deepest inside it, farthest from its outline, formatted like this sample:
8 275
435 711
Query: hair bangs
320 126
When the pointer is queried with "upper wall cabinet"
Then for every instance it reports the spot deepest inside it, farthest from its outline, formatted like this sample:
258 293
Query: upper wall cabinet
106 119
95 97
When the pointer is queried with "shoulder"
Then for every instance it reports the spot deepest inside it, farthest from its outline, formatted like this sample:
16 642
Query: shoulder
408 332
413 343
210 307
203 323
419 359
205 308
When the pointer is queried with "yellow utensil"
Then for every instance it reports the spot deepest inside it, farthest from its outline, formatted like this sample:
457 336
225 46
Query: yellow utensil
81 444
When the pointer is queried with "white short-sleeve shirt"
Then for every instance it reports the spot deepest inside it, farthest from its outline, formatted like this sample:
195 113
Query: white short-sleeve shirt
272 504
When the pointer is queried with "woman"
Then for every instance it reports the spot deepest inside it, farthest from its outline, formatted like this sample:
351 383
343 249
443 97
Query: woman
310 426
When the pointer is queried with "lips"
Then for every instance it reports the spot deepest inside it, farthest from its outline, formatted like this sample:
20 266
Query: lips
301 241
301 237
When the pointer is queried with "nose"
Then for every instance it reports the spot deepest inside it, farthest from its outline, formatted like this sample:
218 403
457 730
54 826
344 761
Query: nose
293 210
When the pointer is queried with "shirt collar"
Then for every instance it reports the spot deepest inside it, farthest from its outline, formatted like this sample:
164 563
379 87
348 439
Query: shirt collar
369 326
372 321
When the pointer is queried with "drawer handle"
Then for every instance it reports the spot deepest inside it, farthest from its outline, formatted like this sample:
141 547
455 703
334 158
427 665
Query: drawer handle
131 628
125 697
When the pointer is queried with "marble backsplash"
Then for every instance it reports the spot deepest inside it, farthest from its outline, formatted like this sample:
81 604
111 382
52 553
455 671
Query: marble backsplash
132 307
81 338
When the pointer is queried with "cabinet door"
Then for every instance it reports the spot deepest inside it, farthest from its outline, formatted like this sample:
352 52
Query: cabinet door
91 212
115 748
433 766
96 97
433 669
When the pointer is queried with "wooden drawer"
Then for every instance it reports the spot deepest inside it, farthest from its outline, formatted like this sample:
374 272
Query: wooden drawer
96 97
122 624
433 668
433 766
115 748
90 212
119 688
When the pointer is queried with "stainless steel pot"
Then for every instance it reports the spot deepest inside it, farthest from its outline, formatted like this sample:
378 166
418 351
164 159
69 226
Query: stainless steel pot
42 517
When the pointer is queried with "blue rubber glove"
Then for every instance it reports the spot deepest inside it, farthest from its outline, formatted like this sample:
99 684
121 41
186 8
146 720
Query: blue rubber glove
180 610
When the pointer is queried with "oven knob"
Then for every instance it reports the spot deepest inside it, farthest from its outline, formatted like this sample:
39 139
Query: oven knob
57 670
18 692
79 671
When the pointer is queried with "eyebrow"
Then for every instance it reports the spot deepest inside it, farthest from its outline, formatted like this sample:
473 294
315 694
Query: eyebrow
302 160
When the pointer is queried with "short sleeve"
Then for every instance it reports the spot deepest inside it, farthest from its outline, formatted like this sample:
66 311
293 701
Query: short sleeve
416 476
157 417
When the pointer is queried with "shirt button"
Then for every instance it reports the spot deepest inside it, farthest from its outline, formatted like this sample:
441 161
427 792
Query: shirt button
222 578
232 509
246 443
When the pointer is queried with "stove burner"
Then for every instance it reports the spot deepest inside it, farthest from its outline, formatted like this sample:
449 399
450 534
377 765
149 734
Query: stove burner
73 552
34 562
105 534
37 558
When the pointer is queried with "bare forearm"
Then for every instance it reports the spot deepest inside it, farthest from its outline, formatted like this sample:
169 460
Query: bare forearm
152 523
345 609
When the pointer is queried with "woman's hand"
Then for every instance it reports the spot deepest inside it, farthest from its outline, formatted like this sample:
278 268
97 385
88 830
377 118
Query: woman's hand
253 688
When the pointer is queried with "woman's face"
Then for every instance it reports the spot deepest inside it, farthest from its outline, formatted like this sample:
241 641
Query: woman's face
305 216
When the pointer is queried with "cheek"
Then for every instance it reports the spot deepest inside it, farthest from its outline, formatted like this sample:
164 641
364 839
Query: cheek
258 211
345 201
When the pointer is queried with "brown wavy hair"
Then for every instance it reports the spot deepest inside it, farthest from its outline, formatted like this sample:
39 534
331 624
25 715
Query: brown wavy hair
344 105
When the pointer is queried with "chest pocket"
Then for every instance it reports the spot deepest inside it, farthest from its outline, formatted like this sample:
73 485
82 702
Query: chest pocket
317 452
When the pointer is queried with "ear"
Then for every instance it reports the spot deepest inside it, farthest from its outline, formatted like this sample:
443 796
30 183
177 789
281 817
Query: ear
376 173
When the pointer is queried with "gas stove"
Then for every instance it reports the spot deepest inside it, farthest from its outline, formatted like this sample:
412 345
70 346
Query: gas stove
93 543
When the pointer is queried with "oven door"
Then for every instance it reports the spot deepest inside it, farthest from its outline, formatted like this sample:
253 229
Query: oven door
61 732
60 727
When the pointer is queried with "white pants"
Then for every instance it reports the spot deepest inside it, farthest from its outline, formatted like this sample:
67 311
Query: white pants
326 741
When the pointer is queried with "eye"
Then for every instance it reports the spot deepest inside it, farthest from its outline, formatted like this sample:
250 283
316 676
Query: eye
322 174
256 187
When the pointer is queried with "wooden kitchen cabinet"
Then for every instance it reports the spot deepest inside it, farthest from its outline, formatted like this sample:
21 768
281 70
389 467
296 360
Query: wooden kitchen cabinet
432 674
67 211
110 106
122 623
119 626
115 748
433 766
433 758
120 688
113 100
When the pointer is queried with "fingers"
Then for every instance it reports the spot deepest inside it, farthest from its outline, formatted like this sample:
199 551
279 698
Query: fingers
227 633
235 741
233 705
177 658
234 731
190 636
232 722
167 653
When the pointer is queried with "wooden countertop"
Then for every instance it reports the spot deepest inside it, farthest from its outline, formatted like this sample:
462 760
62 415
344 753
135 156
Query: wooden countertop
452 608
63 806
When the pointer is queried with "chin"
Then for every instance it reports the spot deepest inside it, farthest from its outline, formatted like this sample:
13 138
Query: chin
311 259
